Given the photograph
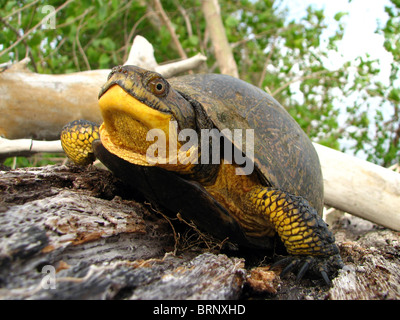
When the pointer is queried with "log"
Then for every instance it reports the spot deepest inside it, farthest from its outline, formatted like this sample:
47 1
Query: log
68 232
367 249
142 55
38 105
360 187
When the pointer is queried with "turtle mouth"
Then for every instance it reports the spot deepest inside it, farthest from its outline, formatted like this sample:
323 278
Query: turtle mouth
115 100
127 122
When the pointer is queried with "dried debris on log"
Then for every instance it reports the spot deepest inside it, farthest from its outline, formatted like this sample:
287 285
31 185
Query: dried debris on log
102 241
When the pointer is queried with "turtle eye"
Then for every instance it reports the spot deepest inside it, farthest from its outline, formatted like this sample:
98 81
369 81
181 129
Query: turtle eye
158 87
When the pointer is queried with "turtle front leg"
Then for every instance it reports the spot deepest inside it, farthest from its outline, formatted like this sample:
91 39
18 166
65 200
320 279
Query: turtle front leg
303 232
77 138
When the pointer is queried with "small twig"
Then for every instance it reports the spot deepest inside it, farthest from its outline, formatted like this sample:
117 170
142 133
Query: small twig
53 52
131 33
176 235
309 76
207 239
82 52
62 25
170 28
260 81
205 40
21 9
27 48
248 39
273 32
34 28
94 37
74 56
395 168
186 18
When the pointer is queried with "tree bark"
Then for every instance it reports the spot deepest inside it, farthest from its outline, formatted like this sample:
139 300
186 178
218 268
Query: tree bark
79 233
222 49
71 233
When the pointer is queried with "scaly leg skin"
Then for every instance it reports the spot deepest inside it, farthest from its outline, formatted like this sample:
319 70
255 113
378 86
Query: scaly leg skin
77 138
303 232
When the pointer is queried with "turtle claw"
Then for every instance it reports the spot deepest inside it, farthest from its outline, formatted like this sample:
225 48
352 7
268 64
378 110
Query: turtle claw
306 265
326 278
281 261
333 262
322 265
289 267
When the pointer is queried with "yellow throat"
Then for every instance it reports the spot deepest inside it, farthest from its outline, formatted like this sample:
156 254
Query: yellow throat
127 122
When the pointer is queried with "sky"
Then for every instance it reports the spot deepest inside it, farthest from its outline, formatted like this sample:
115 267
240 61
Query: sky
359 38
360 25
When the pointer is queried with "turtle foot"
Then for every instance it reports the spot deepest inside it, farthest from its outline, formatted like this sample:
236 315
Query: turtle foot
322 265
77 138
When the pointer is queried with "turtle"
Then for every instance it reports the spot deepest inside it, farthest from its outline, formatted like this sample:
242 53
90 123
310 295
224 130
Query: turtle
180 142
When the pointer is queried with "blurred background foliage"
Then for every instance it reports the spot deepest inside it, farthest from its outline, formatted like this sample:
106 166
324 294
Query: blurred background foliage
344 107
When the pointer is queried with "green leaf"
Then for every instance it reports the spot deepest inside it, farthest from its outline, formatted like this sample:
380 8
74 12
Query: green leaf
104 61
193 40
231 22
11 6
108 44
338 16
395 95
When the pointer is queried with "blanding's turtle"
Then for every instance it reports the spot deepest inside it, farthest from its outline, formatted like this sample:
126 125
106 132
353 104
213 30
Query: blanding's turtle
268 185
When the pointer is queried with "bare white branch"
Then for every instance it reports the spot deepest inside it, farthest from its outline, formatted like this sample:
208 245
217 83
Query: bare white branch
360 187
12 148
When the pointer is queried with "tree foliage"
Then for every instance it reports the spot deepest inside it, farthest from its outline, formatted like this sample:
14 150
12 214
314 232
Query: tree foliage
286 58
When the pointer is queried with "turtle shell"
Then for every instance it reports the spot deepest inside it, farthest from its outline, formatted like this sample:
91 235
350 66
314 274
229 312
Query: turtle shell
283 154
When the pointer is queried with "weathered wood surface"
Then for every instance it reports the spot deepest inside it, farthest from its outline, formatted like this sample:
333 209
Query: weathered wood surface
102 246
37 106
105 242
360 187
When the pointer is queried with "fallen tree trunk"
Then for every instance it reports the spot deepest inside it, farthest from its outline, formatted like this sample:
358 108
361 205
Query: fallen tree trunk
78 233
66 233
37 106
360 187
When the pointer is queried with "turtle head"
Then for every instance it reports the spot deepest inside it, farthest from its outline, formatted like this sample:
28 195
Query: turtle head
134 101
